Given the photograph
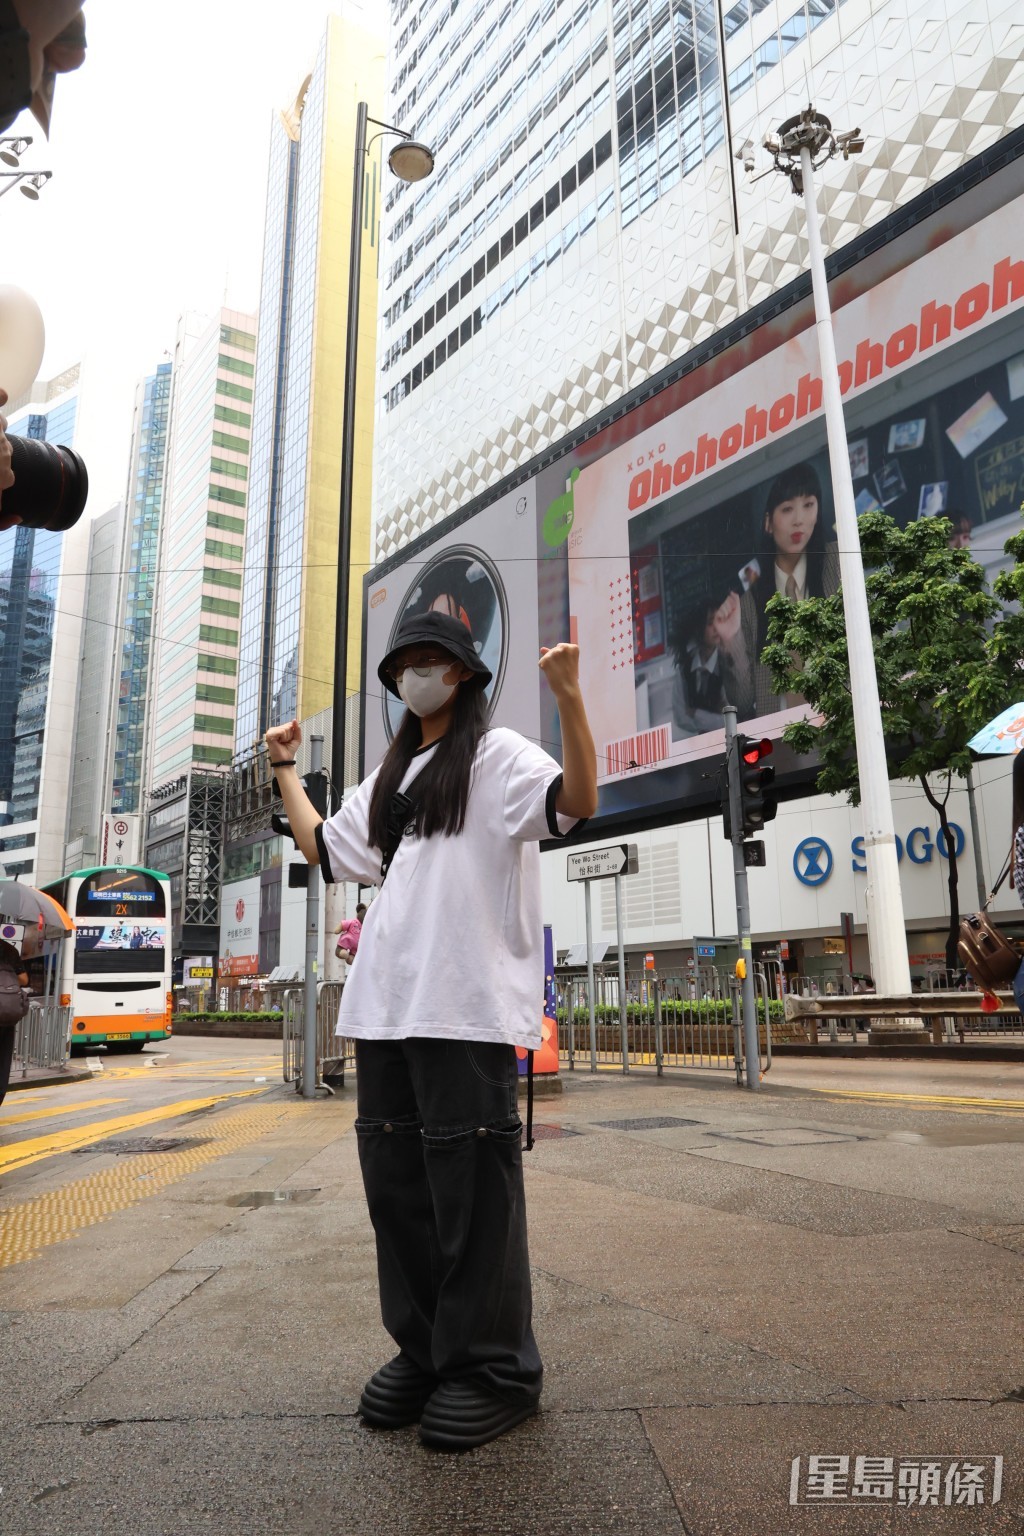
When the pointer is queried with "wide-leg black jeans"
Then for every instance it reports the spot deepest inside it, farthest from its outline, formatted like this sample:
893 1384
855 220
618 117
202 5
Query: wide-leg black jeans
440 1147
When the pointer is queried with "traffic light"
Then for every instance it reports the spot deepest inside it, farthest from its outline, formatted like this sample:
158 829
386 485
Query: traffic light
318 788
757 794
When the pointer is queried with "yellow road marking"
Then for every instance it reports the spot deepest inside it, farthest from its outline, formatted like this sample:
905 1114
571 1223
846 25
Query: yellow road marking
20 1153
940 1099
55 1109
61 1213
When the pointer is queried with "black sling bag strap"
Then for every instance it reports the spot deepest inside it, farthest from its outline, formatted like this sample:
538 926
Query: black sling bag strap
401 815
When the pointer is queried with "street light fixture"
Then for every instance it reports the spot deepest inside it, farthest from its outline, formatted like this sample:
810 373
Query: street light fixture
410 160
800 146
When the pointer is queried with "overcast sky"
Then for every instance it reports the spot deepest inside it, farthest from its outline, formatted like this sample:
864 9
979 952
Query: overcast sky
158 148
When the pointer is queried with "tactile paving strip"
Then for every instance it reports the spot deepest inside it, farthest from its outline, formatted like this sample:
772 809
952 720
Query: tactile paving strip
59 1214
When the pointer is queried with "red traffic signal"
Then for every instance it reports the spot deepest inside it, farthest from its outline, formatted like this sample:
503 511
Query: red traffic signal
757 797
753 751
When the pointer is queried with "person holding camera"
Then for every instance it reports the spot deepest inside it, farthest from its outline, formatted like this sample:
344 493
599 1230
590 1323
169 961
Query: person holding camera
450 973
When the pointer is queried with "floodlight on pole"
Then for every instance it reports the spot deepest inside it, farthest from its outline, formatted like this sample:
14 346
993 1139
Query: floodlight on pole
29 183
799 147
12 149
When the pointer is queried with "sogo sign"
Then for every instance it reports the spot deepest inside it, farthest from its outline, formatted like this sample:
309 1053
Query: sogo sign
813 863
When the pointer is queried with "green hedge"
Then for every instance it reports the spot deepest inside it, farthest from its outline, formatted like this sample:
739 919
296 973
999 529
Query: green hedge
237 1016
672 1011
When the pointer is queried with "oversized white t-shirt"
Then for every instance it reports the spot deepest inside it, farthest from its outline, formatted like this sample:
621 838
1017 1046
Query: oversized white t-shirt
453 946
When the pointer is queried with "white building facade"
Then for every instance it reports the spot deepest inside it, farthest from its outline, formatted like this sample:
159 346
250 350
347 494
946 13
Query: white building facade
587 223
597 357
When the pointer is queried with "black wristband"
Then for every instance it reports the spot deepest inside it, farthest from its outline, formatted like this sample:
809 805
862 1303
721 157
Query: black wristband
287 762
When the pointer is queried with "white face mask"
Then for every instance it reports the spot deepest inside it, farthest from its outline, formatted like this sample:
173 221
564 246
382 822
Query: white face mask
425 695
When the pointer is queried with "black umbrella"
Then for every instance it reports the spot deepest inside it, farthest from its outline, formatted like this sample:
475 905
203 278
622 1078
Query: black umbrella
23 904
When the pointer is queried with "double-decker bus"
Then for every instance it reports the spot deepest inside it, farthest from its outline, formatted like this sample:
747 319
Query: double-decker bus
116 965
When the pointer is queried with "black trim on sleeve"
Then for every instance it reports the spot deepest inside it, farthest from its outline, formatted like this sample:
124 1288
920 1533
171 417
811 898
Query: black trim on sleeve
325 860
552 815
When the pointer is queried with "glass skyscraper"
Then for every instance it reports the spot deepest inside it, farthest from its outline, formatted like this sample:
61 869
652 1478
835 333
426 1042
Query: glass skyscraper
194 667
30 569
138 585
286 654
587 223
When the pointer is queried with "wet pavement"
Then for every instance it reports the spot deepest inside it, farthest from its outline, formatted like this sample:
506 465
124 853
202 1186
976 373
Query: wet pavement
726 1286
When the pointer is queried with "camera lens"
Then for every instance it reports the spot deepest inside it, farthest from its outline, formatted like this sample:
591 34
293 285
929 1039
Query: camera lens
50 485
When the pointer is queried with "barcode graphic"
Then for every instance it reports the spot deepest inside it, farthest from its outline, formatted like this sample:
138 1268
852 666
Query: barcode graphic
641 751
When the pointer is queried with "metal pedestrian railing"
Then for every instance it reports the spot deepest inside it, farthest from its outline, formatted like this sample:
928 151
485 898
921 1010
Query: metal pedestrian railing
333 1054
42 1038
690 1021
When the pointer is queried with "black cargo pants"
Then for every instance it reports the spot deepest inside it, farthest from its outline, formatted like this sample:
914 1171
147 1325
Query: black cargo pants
440 1148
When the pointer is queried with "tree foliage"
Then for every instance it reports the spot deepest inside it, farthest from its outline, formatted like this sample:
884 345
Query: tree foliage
947 657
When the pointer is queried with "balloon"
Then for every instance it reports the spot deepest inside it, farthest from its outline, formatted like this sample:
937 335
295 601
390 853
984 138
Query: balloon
22 339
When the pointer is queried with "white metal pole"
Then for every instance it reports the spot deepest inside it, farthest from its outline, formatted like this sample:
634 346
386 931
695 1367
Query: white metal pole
886 925
623 1012
590 977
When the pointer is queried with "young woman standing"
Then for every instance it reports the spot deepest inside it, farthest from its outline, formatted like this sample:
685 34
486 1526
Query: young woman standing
449 982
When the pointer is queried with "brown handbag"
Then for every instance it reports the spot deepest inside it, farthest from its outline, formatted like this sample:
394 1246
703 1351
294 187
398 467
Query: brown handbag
985 952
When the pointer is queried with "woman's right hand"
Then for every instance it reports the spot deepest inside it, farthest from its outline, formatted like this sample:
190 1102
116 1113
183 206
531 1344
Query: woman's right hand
283 741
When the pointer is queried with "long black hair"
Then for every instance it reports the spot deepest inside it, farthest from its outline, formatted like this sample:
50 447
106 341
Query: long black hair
442 787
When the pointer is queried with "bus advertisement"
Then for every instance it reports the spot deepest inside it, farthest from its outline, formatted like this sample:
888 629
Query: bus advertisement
116 962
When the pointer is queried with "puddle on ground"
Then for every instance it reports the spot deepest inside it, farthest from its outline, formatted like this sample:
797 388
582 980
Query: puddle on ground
972 1136
256 1197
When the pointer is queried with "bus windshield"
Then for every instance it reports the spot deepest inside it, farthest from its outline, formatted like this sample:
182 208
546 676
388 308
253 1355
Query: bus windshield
119 922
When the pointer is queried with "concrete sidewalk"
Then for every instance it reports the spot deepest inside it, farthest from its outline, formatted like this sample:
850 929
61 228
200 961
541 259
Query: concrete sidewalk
723 1284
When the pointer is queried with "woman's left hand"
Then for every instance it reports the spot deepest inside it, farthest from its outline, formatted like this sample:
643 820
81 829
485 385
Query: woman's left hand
561 666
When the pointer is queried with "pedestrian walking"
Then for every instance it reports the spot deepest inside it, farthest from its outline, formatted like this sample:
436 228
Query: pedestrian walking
450 972
348 931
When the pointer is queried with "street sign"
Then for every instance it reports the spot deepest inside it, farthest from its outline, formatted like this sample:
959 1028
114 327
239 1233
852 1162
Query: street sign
705 951
601 863
648 962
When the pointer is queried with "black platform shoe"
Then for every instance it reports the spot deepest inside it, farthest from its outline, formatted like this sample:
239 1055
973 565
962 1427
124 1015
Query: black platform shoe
461 1415
396 1394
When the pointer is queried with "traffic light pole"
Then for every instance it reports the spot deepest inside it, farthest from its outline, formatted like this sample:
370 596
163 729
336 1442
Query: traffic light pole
308 1086
751 1044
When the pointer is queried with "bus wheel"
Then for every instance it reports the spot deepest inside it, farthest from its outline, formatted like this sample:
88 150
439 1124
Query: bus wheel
114 1046
6 1057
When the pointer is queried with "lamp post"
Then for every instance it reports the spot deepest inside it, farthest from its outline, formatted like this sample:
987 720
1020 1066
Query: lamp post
801 145
411 161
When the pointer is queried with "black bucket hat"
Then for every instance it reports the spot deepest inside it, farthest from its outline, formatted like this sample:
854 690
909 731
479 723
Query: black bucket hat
438 629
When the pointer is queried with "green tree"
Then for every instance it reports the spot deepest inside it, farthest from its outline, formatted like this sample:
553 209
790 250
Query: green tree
947 659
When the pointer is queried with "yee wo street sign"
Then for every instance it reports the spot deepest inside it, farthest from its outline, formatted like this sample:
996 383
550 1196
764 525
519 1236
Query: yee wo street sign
605 864
602 863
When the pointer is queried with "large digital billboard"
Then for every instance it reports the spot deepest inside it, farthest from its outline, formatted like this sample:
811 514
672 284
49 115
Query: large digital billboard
656 542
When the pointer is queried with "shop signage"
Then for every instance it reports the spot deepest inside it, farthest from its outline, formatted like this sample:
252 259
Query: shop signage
813 861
